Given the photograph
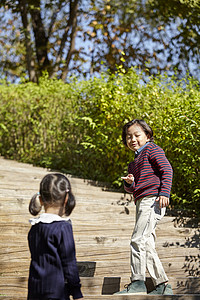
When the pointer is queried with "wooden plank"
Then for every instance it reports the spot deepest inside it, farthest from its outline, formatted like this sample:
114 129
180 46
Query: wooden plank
120 297
110 261
140 297
103 285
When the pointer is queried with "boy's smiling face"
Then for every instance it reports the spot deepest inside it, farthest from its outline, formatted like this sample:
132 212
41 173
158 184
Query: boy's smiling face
136 137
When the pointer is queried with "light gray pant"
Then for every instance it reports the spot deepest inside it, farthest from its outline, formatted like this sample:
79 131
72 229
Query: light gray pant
143 252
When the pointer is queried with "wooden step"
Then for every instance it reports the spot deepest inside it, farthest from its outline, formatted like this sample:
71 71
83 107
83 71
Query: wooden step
119 268
120 297
103 222
141 297
102 285
111 285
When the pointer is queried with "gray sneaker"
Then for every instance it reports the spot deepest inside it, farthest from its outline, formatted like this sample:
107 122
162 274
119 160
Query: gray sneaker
136 287
162 289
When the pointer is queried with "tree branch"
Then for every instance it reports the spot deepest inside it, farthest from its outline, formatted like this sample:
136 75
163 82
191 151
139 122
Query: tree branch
53 19
73 23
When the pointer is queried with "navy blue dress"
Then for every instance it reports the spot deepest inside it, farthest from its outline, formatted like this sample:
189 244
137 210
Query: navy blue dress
53 270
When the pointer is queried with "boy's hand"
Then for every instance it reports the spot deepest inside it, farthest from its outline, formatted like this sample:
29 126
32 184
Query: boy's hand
164 201
129 178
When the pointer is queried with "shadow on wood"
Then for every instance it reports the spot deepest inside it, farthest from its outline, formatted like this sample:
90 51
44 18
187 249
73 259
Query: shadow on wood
110 285
86 268
189 285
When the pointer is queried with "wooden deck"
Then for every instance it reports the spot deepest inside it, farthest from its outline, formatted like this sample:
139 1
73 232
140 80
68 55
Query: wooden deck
102 222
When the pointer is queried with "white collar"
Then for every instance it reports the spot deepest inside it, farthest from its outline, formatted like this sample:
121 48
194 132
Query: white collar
47 218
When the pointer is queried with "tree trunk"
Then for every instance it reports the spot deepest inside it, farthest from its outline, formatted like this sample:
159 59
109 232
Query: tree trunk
29 51
41 41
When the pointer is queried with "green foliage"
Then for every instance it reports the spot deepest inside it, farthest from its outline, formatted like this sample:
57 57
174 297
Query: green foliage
76 127
32 120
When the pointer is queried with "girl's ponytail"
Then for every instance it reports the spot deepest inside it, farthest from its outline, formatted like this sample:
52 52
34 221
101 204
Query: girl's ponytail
35 205
71 202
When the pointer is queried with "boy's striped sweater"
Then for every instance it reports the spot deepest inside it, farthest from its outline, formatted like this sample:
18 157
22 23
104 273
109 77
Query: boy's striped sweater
152 173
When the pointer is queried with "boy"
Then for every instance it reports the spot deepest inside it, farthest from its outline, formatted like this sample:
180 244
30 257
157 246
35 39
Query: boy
149 179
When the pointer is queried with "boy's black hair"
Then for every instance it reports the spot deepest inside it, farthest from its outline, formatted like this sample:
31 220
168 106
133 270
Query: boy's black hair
146 128
53 190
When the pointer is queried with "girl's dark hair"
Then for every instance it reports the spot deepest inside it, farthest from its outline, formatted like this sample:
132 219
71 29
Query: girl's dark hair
34 205
146 128
53 191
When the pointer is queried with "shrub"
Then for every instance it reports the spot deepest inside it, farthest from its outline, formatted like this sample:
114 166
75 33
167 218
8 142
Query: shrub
76 127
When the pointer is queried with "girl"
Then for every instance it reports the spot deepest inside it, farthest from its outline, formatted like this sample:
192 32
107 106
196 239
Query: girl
149 179
53 270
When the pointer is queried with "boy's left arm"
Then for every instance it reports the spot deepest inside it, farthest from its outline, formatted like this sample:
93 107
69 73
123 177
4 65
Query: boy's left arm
164 201
159 160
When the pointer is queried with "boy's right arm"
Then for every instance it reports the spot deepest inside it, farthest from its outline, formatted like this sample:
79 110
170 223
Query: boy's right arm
129 183
129 178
